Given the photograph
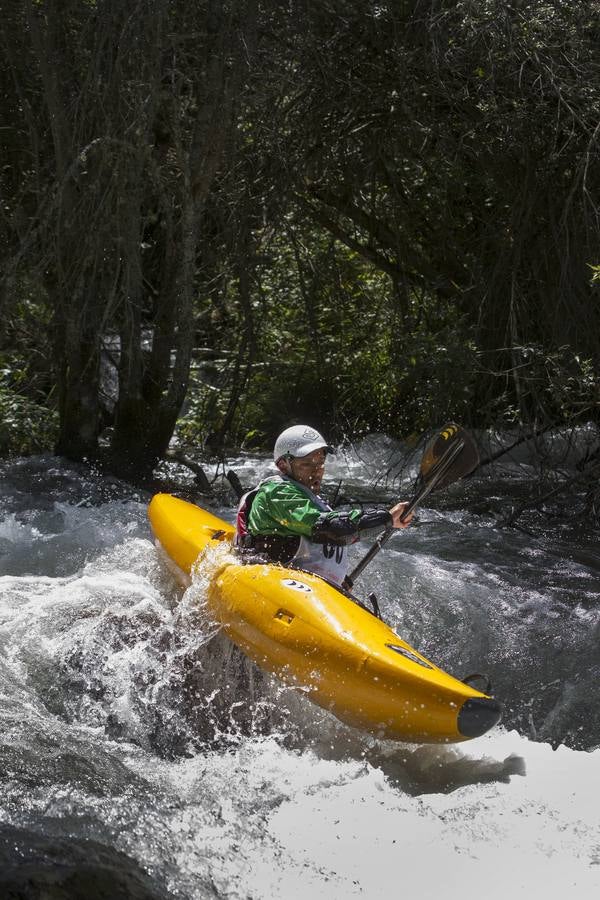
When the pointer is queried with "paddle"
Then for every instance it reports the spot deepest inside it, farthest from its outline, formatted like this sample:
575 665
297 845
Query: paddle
449 456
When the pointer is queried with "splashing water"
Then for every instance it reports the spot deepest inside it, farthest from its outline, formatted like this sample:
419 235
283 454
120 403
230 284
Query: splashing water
136 740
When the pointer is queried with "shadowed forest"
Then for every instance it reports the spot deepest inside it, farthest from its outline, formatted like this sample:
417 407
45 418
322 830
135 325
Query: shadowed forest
222 217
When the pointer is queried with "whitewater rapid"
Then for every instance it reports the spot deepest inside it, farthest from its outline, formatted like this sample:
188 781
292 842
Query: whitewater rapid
128 723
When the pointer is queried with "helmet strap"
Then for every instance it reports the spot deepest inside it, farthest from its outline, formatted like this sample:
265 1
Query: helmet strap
284 463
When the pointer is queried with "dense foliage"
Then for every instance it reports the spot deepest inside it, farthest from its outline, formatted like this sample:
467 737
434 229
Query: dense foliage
220 218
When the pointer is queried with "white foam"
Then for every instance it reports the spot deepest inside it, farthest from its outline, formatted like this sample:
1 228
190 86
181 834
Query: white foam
275 824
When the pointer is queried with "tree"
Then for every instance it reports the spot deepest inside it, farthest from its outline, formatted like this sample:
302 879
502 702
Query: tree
134 108
454 146
262 185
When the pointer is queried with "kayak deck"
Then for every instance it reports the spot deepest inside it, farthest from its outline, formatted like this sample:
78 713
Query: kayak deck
312 635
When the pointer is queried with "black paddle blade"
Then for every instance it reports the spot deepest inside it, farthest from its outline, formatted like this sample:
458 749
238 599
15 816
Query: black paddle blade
451 455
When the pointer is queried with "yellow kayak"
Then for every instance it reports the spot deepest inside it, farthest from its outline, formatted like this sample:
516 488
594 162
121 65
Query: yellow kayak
311 635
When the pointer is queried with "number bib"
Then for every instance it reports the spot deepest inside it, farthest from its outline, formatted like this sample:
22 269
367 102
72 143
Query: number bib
330 561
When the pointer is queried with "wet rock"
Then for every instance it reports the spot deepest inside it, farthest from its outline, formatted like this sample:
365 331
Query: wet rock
35 867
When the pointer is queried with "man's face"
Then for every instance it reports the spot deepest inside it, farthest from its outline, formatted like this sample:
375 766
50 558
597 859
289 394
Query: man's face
308 470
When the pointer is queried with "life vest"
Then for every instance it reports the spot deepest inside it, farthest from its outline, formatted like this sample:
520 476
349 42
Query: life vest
328 560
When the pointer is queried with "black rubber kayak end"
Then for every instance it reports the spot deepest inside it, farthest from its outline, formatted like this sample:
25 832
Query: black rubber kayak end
477 715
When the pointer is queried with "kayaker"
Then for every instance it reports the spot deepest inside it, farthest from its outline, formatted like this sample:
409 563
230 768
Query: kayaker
285 520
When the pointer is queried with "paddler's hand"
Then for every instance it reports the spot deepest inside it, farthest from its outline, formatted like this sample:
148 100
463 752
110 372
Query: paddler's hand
396 511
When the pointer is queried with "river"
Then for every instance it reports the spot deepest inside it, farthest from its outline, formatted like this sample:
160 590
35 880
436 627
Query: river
143 756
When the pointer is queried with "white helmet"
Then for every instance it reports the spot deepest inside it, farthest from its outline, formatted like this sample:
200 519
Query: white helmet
299 440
